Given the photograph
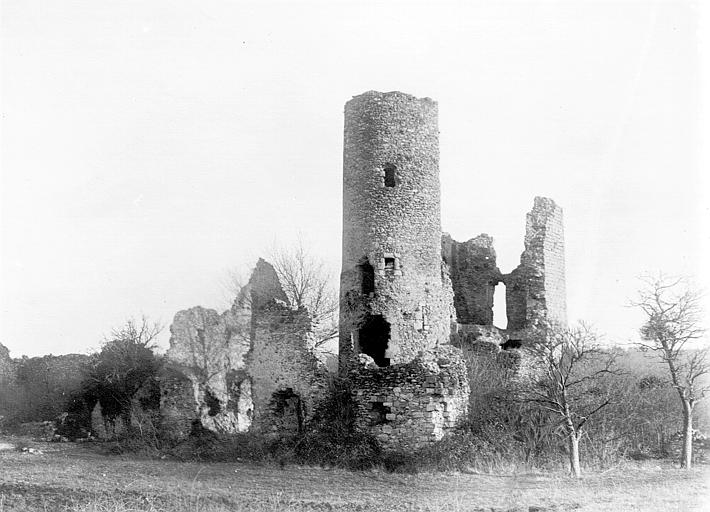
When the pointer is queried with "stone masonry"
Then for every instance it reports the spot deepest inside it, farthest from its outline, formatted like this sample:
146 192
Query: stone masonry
396 297
409 405
248 368
414 305
395 302
535 290
474 276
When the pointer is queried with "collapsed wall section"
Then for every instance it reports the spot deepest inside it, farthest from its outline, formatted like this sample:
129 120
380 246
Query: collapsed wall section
535 290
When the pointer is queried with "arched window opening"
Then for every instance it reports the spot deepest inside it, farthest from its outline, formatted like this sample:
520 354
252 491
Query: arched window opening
287 408
500 317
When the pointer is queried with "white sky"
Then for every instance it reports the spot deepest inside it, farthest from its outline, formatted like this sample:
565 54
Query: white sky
149 147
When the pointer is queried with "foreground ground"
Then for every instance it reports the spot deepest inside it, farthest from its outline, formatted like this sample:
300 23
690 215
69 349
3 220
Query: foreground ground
74 477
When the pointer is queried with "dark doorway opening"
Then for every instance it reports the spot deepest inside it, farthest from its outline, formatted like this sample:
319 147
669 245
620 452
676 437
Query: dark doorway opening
367 277
288 410
374 336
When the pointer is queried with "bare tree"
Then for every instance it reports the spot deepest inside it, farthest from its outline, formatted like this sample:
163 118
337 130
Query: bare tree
673 311
572 374
306 283
125 365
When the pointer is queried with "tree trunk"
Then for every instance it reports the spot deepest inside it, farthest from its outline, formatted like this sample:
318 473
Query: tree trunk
574 455
686 456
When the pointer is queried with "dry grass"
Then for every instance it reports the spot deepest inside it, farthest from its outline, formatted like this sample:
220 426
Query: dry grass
68 477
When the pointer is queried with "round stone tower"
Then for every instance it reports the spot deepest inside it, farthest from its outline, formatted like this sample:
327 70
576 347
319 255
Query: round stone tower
394 301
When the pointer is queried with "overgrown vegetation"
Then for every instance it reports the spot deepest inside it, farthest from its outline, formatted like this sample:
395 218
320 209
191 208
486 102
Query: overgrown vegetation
123 380
581 405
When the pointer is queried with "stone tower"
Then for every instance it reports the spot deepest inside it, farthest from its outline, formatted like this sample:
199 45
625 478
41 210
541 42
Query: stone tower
394 302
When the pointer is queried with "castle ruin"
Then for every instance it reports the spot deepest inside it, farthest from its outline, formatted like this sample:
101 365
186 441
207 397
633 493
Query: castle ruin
414 303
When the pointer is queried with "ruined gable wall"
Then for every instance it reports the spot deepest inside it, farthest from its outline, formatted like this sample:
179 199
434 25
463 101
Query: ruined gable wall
401 222
536 290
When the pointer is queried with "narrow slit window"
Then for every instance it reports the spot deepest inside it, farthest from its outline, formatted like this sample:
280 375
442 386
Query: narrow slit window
390 171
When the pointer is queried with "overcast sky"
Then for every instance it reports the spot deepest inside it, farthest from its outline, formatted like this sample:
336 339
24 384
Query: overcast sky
150 147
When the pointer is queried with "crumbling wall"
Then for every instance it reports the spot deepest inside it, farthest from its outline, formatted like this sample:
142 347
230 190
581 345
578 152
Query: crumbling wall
410 405
8 389
393 294
226 370
38 388
287 378
7 366
209 349
474 276
535 290
179 403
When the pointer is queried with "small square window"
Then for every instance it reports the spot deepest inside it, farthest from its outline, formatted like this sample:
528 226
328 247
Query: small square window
389 263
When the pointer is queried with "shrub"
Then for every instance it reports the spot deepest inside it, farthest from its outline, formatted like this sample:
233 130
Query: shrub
332 438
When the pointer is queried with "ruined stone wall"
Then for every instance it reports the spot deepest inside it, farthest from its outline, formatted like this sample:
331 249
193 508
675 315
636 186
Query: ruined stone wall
474 276
179 403
249 368
391 228
535 290
492 345
39 388
7 366
287 378
410 405
209 349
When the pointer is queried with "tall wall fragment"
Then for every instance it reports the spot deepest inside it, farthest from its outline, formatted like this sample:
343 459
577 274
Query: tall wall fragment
286 377
535 290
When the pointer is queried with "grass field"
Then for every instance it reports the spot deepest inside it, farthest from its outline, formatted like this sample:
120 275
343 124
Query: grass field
77 477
